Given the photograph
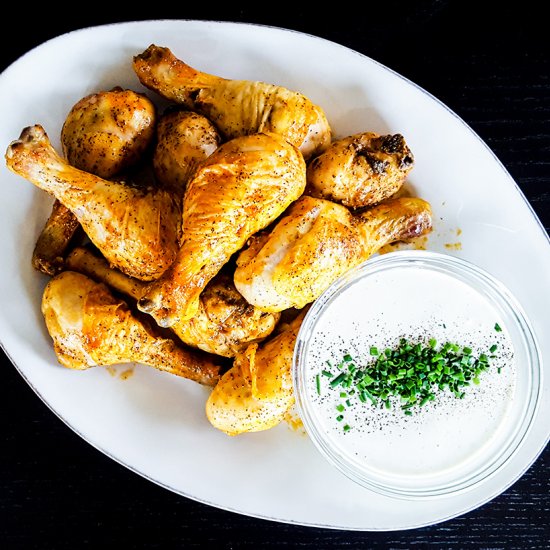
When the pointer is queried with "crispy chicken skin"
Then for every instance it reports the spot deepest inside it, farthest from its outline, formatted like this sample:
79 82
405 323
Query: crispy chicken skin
184 140
136 229
239 190
90 327
104 133
225 323
52 243
256 393
360 170
316 242
107 132
236 107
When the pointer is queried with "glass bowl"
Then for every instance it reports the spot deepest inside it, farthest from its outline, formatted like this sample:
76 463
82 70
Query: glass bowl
431 447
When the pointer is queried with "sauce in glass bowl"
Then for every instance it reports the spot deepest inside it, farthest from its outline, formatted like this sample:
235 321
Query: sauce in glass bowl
410 446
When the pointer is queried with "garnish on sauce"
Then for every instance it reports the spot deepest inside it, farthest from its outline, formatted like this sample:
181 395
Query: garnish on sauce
412 372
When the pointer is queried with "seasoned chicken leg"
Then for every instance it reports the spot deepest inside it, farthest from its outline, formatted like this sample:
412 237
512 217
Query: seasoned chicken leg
256 393
54 239
184 140
239 190
237 107
225 323
136 229
316 242
360 170
90 327
106 132
103 134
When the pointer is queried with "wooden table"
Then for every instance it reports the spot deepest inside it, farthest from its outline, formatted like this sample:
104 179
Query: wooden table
491 67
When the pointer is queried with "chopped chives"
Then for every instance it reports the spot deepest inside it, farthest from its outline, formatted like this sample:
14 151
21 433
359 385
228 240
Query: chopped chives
318 384
411 372
498 328
338 380
347 428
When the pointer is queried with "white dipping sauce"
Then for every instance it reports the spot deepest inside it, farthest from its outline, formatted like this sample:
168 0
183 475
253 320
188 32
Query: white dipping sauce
445 434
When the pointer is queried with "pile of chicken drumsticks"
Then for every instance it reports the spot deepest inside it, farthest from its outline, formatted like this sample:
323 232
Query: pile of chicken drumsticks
181 239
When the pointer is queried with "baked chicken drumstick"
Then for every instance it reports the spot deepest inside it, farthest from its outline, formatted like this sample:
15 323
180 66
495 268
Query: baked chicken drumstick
316 242
360 170
256 393
238 190
136 229
236 107
225 323
104 133
184 140
107 132
90 327
54 239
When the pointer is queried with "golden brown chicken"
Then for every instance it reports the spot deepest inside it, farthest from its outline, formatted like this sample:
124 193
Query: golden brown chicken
106 132
54 239
225 323
256 393
136 229
316 242
236 107
184 140
239 190
360 170
90 327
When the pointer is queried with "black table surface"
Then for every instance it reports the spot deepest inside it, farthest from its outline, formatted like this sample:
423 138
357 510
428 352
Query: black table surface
487 62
